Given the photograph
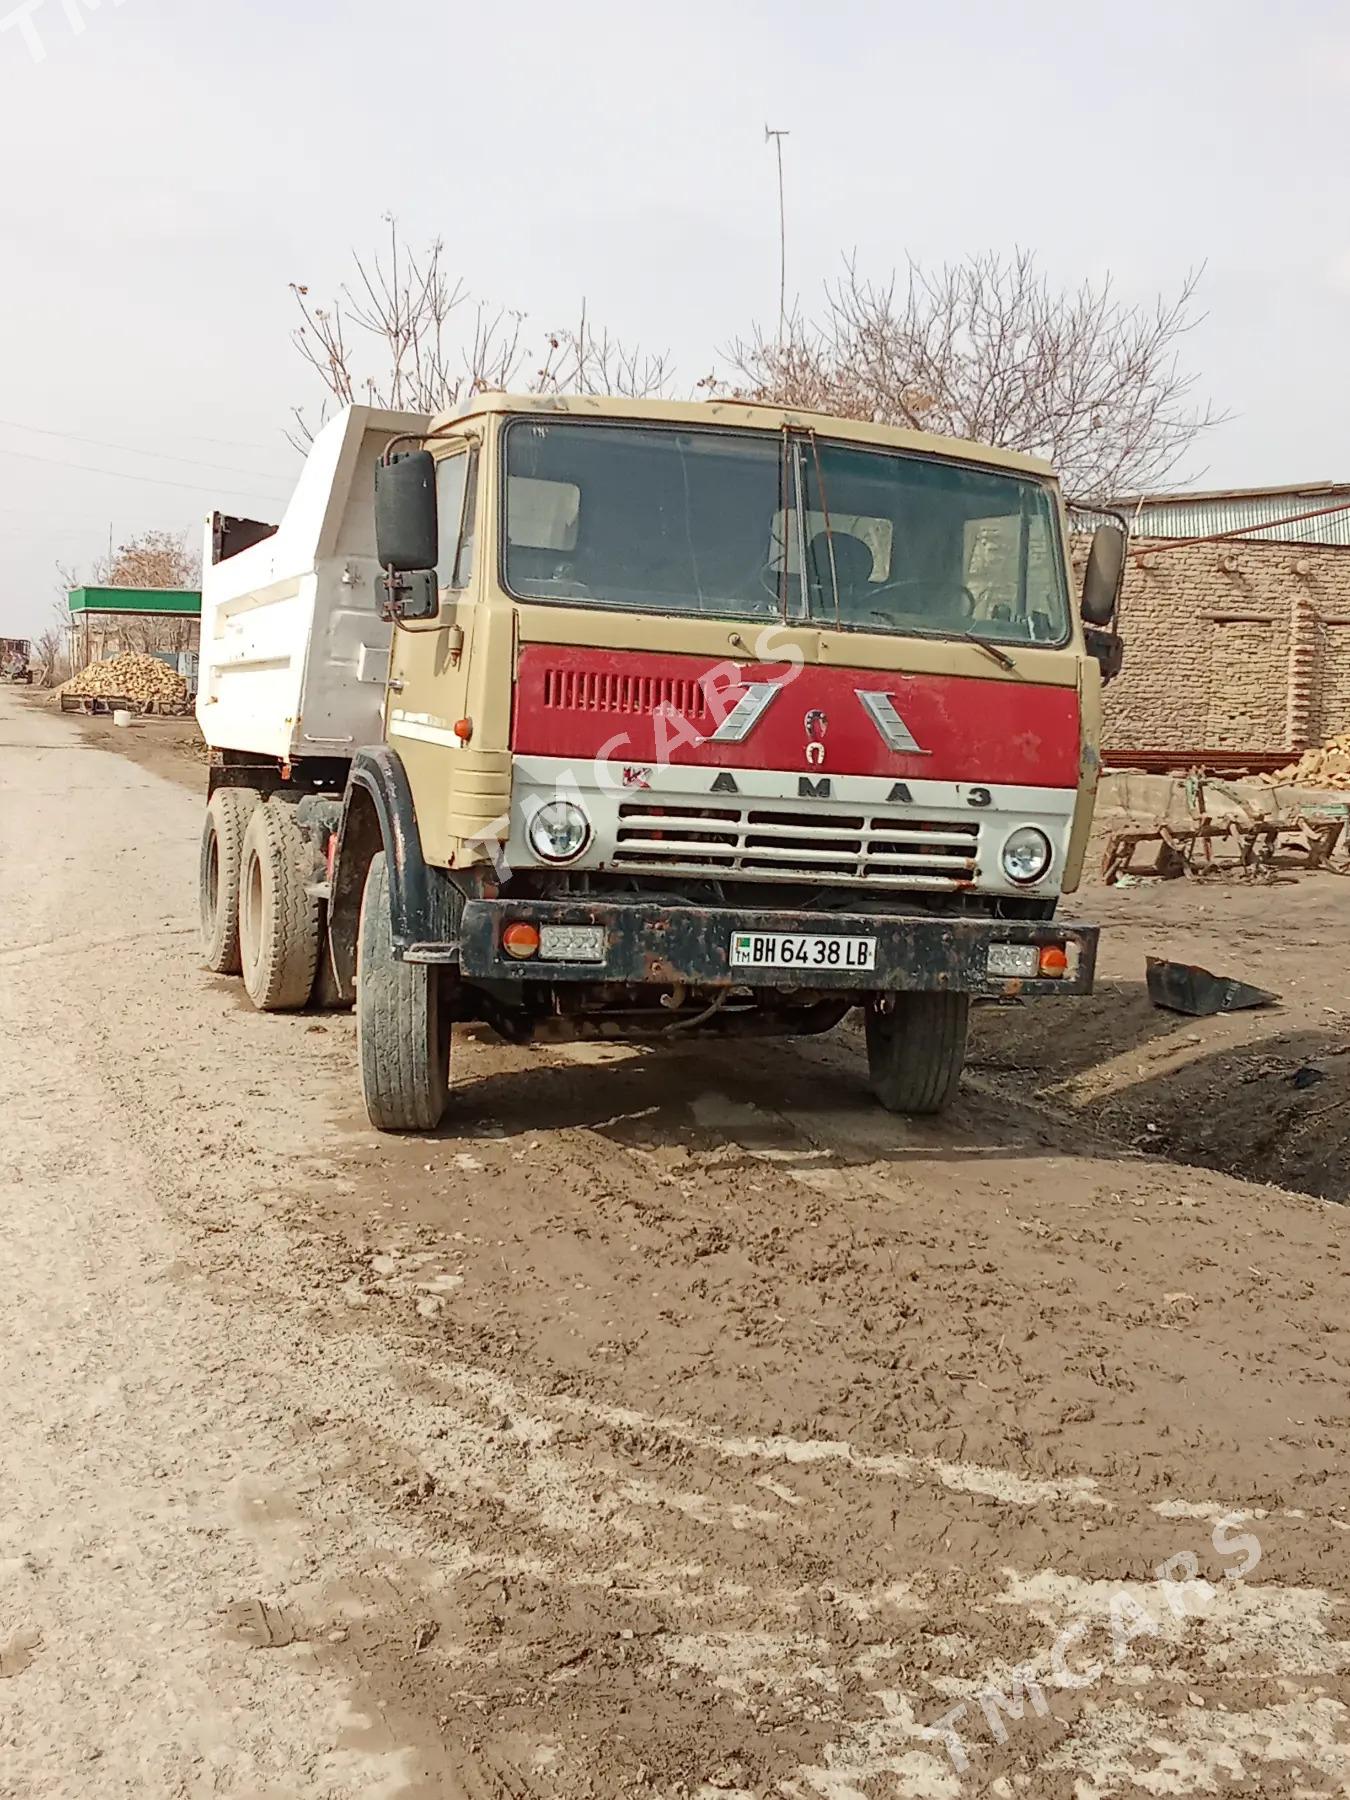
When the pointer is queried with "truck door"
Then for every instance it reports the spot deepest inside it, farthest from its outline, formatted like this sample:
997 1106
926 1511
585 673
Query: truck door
429 659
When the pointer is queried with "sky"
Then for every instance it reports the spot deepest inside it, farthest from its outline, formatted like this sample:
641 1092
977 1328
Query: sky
171 166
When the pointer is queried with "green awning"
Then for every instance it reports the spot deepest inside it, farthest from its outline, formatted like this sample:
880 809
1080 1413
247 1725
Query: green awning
163 603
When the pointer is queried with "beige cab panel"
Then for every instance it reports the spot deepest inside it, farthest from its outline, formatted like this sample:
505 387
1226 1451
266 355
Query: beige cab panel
461 666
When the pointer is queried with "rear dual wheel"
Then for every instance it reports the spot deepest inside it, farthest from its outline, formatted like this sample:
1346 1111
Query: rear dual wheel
222 859
279 938
257 918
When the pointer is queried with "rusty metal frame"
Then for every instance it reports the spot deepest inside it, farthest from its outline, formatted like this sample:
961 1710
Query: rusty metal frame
648 944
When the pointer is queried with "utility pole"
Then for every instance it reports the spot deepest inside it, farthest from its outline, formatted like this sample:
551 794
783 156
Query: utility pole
776 138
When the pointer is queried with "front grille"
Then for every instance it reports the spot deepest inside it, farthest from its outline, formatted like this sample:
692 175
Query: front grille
777 844
600 690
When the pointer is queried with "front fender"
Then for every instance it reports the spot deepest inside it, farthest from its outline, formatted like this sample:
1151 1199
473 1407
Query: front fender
378 814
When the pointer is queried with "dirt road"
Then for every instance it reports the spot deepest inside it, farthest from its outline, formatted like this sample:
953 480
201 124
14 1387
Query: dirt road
668 1425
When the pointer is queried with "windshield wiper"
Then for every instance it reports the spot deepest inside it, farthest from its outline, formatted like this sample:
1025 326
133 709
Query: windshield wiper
1001 657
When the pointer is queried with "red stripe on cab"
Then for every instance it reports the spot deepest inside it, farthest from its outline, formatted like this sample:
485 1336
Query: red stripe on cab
640 707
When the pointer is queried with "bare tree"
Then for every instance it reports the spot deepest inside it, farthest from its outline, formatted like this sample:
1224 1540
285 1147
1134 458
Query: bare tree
155 559
68 576
152 559
402 306
49 660
582 361
987 348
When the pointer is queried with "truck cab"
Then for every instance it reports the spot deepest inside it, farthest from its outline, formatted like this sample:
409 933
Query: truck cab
712 719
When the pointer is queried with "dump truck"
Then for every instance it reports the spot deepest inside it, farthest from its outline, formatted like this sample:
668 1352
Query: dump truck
16 660
655 721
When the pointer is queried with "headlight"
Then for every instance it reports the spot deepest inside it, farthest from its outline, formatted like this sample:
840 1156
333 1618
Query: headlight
1027 855
559 831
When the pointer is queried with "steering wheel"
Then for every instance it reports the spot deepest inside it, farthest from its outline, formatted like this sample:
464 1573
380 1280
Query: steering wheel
773 579
565 587
957 588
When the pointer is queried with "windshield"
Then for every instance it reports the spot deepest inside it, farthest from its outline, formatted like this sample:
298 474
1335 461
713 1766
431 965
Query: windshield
721 523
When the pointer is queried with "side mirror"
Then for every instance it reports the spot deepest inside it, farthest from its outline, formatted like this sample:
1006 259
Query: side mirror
1105 572
405 512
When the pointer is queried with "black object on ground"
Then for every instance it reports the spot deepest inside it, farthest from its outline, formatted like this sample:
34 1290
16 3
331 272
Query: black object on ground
1187 988
1308 1076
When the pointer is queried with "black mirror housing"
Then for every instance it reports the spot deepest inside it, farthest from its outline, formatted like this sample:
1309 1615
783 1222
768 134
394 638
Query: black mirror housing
405 512
1104 576
1107 651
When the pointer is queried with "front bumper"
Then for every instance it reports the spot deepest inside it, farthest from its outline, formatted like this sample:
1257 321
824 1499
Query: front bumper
663 945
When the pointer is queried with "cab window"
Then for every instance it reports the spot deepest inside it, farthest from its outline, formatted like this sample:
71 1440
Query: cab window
456 513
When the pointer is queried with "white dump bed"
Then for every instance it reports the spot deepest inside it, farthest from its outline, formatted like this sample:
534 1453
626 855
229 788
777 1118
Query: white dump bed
295 656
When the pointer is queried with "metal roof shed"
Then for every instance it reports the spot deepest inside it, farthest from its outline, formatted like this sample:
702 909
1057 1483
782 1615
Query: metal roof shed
100 616
1314 512
144 603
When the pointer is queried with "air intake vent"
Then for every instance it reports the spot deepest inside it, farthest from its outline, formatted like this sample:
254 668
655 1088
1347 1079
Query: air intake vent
773 844
598 691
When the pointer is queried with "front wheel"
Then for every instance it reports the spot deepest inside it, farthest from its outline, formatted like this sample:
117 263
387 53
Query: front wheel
402 1022
916 1051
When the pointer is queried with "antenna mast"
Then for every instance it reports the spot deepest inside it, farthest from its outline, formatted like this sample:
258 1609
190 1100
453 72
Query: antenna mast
776 139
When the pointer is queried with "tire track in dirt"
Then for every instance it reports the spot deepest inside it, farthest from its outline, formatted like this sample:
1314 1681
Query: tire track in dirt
524 1637
753 1622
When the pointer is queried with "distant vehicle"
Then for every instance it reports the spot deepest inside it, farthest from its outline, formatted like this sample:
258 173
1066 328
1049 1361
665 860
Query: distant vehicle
14 660
641 719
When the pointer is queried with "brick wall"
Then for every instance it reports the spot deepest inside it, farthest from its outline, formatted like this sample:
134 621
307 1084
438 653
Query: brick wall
1231 647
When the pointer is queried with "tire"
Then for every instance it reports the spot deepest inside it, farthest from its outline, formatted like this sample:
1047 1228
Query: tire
402 1026
915 1054
227 815
278 921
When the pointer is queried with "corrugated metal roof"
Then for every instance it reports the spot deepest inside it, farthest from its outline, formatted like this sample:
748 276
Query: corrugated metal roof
1271 515
1173 496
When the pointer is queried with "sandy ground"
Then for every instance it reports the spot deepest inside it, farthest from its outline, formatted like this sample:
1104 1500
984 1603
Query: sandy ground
669 1424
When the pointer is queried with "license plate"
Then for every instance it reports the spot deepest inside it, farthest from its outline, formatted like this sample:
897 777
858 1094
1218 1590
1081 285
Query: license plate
801 950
